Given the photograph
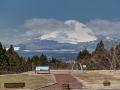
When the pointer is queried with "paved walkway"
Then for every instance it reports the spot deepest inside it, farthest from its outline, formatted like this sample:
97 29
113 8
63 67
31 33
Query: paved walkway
62 79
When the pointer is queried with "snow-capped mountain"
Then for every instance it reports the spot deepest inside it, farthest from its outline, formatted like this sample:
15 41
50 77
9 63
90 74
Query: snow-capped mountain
73 32
63 40
51 48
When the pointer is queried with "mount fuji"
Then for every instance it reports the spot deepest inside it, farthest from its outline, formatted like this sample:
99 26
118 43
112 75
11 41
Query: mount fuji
63 43
77 32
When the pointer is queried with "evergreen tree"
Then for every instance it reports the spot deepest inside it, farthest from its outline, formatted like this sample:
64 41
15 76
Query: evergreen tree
43 60
29 64
17 63
24 67
3 59
35 60
82 56
57 64
98 57
11 62
99 49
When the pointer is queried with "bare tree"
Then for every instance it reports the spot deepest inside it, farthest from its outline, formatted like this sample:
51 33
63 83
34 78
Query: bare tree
111 53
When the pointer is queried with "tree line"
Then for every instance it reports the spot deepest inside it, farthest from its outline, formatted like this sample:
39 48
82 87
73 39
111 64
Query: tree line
12 62
101 58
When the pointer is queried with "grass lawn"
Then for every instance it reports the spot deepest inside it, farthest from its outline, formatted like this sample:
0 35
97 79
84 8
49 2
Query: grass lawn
96 78
31 81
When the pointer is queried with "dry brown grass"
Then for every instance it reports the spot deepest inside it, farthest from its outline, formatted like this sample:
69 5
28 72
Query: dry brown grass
31 81
96 78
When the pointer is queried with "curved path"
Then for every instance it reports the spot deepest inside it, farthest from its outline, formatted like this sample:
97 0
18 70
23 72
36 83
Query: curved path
62 79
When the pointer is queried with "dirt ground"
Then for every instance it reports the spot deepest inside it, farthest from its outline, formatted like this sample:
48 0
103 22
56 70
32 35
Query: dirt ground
64 79
89 78
96 77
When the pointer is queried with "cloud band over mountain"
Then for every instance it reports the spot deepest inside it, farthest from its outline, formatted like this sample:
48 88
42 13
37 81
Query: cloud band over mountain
70 31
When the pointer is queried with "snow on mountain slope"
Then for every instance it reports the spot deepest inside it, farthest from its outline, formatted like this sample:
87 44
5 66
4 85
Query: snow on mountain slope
77 32
63 51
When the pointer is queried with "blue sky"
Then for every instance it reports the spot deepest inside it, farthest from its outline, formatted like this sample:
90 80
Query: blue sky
43 16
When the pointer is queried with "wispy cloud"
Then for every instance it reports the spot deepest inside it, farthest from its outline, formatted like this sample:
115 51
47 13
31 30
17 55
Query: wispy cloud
70 31
104 27
42 26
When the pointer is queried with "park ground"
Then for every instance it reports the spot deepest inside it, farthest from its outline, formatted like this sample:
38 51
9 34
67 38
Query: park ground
92 78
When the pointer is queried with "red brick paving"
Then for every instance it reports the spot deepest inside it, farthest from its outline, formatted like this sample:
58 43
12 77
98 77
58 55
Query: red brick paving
64 79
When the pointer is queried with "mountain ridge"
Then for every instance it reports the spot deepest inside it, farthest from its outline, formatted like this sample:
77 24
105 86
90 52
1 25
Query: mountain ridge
52 48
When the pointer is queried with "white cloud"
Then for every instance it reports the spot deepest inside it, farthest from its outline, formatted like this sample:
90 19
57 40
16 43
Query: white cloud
41 26
70 31
104 27
50 35
77 33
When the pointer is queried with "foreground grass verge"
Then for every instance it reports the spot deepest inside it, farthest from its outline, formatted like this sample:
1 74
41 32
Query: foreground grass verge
96 78
31 81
